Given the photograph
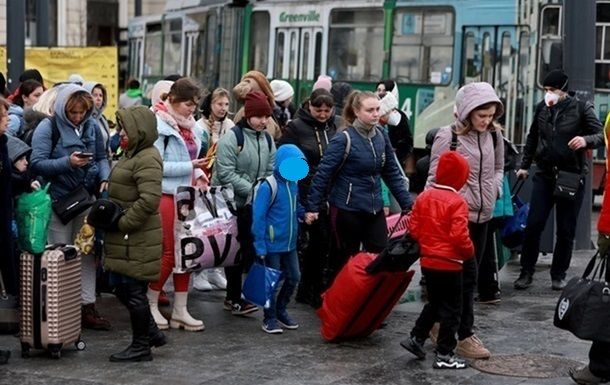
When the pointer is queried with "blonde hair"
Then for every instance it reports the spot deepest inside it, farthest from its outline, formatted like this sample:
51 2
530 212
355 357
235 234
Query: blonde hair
217 94
354 102
46 102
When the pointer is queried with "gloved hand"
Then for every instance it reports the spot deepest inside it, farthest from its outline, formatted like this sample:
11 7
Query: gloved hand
603 243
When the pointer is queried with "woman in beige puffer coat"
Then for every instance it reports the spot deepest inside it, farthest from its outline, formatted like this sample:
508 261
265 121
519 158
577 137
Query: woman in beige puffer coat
475 136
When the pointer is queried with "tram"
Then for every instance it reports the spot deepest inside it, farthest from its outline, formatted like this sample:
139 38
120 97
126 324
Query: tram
429 47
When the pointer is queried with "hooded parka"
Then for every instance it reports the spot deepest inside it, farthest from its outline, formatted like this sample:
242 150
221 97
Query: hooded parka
134 249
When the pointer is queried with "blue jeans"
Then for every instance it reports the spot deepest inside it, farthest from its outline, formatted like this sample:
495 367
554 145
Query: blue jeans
288 263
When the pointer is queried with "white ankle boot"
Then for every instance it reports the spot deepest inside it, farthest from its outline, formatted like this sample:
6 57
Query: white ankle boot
153 298
181 317
217 279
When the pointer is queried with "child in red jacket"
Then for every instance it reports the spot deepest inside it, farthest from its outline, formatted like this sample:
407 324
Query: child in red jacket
439 222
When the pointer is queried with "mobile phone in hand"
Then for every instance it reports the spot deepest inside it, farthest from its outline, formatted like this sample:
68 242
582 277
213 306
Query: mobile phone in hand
84 155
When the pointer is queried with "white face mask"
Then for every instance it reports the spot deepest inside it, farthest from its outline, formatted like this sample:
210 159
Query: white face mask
551 98
394 118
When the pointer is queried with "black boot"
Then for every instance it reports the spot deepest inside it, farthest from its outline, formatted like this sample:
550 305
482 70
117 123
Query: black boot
157 337
136 301
4 356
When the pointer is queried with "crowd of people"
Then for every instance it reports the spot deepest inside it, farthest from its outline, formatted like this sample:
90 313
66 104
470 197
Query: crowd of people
356 144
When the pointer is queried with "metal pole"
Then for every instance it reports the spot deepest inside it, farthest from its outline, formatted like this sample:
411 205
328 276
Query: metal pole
15 41
42 23
579 65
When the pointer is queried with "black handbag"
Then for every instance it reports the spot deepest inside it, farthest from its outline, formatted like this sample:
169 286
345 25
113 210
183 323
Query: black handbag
105 214
73 204
584 305
567 184
9 311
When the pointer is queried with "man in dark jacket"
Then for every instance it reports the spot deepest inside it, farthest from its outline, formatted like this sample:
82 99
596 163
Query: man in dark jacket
563 128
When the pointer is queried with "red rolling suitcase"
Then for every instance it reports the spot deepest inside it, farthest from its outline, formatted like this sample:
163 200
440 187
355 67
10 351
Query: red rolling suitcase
357 302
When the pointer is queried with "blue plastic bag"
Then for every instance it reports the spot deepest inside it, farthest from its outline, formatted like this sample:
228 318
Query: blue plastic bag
260 284
513 231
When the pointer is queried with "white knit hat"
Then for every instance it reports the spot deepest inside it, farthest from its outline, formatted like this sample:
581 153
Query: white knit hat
282 90
388 104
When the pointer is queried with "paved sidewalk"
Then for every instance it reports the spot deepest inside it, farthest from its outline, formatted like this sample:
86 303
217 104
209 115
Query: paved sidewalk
234 350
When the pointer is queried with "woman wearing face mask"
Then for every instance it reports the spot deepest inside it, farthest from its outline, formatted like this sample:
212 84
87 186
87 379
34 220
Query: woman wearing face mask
355 185
215 121
561 131
311 132
474 135
179 143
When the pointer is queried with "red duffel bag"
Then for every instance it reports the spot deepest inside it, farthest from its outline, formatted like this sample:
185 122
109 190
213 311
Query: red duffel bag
357 302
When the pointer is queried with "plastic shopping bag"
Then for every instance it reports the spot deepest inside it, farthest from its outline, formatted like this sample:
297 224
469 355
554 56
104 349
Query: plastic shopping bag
33 214
205 228
260 285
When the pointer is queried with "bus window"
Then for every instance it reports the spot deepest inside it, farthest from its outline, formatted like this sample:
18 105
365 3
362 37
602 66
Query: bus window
602 46
292 63
488 60
305 56
135 58
471 67
259 42
279 54
318 57
422 47
355 47
172 47
550 46
152 50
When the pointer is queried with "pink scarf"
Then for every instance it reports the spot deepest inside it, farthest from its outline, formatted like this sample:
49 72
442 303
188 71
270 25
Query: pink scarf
181 124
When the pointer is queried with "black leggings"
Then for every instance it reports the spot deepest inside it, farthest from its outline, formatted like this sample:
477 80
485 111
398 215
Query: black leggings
351 229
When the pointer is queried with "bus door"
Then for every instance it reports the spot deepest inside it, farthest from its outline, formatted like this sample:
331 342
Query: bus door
498 55
298 58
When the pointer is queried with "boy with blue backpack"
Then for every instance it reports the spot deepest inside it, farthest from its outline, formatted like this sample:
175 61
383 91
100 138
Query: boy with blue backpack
276 214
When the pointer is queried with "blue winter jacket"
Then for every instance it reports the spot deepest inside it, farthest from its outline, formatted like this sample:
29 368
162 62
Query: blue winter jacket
275 224
357 186
177 165
15 120
54 164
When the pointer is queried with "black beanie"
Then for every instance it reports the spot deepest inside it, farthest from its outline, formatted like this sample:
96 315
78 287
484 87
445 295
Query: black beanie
556 79
31 74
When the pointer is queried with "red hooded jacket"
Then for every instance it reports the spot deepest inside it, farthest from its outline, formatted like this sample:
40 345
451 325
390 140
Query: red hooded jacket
439 220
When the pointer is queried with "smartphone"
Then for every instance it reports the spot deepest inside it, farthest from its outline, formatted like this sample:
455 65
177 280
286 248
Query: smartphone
85 155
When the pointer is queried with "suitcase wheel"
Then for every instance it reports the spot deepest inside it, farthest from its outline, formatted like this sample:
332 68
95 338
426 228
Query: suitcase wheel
25 351
80 345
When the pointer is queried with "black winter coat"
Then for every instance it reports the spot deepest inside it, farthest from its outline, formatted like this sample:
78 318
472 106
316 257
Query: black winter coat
7 262
552 129
311 137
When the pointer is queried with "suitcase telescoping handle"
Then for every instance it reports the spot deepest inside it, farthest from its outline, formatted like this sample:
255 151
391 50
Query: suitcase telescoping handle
517 187
402 215
69 251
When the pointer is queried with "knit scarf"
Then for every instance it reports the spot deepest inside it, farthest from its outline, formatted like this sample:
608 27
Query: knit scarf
365 130
183 125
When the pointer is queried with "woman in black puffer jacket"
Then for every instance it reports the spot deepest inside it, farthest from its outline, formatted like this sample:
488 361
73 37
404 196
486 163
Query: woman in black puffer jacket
311 132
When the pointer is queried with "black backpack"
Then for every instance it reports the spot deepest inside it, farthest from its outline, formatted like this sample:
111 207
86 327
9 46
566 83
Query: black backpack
55 135
239 135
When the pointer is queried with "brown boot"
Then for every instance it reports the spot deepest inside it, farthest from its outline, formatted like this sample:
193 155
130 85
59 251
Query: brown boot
472 347
434 333
92 320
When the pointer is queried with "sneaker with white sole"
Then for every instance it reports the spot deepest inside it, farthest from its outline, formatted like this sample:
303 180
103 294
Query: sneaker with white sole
415 346
217 279
286 321
448 361
201 282
271 326
242 308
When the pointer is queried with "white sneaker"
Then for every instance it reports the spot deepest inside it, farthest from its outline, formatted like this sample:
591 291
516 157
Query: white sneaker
200 281
217 279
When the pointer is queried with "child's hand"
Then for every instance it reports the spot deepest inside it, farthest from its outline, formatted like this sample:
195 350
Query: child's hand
35 185
310 217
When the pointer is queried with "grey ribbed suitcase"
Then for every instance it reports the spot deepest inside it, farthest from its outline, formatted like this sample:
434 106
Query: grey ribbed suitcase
51 300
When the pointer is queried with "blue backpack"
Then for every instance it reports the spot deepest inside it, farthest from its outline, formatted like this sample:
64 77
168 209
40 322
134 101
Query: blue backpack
513 230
